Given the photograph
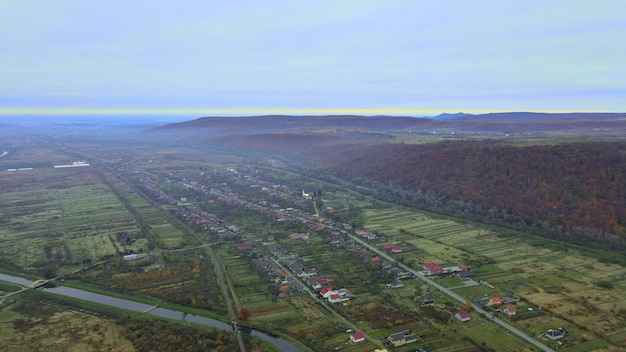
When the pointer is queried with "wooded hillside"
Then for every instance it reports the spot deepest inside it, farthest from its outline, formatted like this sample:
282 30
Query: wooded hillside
573 191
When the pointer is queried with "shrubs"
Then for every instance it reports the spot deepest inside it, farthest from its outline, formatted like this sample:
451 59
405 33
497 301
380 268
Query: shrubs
604 284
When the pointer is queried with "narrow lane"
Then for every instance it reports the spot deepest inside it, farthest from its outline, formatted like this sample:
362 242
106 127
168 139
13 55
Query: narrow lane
326 305
456 296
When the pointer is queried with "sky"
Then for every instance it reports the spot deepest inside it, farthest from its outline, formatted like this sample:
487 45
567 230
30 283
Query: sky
209 57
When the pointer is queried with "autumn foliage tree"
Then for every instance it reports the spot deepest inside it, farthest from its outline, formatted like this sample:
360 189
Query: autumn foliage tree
574 192
244 313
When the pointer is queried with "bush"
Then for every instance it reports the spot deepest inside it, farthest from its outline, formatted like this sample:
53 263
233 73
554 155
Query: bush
604 284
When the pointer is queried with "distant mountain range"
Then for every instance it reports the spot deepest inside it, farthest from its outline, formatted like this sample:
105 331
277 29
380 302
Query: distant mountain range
509 122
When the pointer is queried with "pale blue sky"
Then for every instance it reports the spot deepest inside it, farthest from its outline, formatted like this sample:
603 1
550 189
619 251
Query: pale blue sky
209 57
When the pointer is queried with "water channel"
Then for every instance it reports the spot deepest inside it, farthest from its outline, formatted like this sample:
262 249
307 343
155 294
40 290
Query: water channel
281 344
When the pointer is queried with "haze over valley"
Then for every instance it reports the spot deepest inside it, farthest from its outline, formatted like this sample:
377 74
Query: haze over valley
389 176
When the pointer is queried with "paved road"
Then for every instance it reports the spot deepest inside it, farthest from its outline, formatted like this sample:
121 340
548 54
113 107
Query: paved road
449 292
326 305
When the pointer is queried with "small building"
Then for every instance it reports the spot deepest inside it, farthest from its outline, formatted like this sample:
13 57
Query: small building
426 299
465 274
509 310
555 334
463 315
336 298
402 338
396 284
327 291
134 256
357 337
494 301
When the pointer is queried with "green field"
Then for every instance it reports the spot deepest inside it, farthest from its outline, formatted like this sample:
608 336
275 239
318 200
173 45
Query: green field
72 217
558 278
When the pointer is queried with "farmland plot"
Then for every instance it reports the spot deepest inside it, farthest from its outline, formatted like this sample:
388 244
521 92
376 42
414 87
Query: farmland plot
64 217
577 291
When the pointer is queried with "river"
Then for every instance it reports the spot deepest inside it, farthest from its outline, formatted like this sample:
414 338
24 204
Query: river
281 344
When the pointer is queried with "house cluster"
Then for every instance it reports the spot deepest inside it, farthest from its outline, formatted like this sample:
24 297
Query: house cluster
497 300
397 275
370 235
279 251
336 296
392 248
321 284
501 304
303 236
387 246
149 186
310 276
402 338
394 273
284 284
435 269
209 222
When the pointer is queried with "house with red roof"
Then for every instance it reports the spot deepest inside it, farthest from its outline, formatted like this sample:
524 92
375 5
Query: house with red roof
327 291
370 236
362 232
432 269
494 301
357 337
509 310
463 315
336 298
244 246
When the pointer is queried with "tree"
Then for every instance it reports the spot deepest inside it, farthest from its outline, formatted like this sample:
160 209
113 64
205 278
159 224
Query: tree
244 313
301 334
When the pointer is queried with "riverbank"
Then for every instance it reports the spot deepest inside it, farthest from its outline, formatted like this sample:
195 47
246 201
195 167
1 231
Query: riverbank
154 310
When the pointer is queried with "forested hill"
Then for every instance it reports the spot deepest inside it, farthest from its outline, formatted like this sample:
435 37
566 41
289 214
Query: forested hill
574 192
511 122
287 123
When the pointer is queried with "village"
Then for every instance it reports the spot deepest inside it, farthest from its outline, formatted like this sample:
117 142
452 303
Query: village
279 257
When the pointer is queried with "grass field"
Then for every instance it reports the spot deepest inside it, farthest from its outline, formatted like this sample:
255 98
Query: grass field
561 281
32 326
72 217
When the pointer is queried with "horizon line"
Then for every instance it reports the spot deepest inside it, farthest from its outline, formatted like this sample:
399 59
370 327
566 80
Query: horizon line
264 111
